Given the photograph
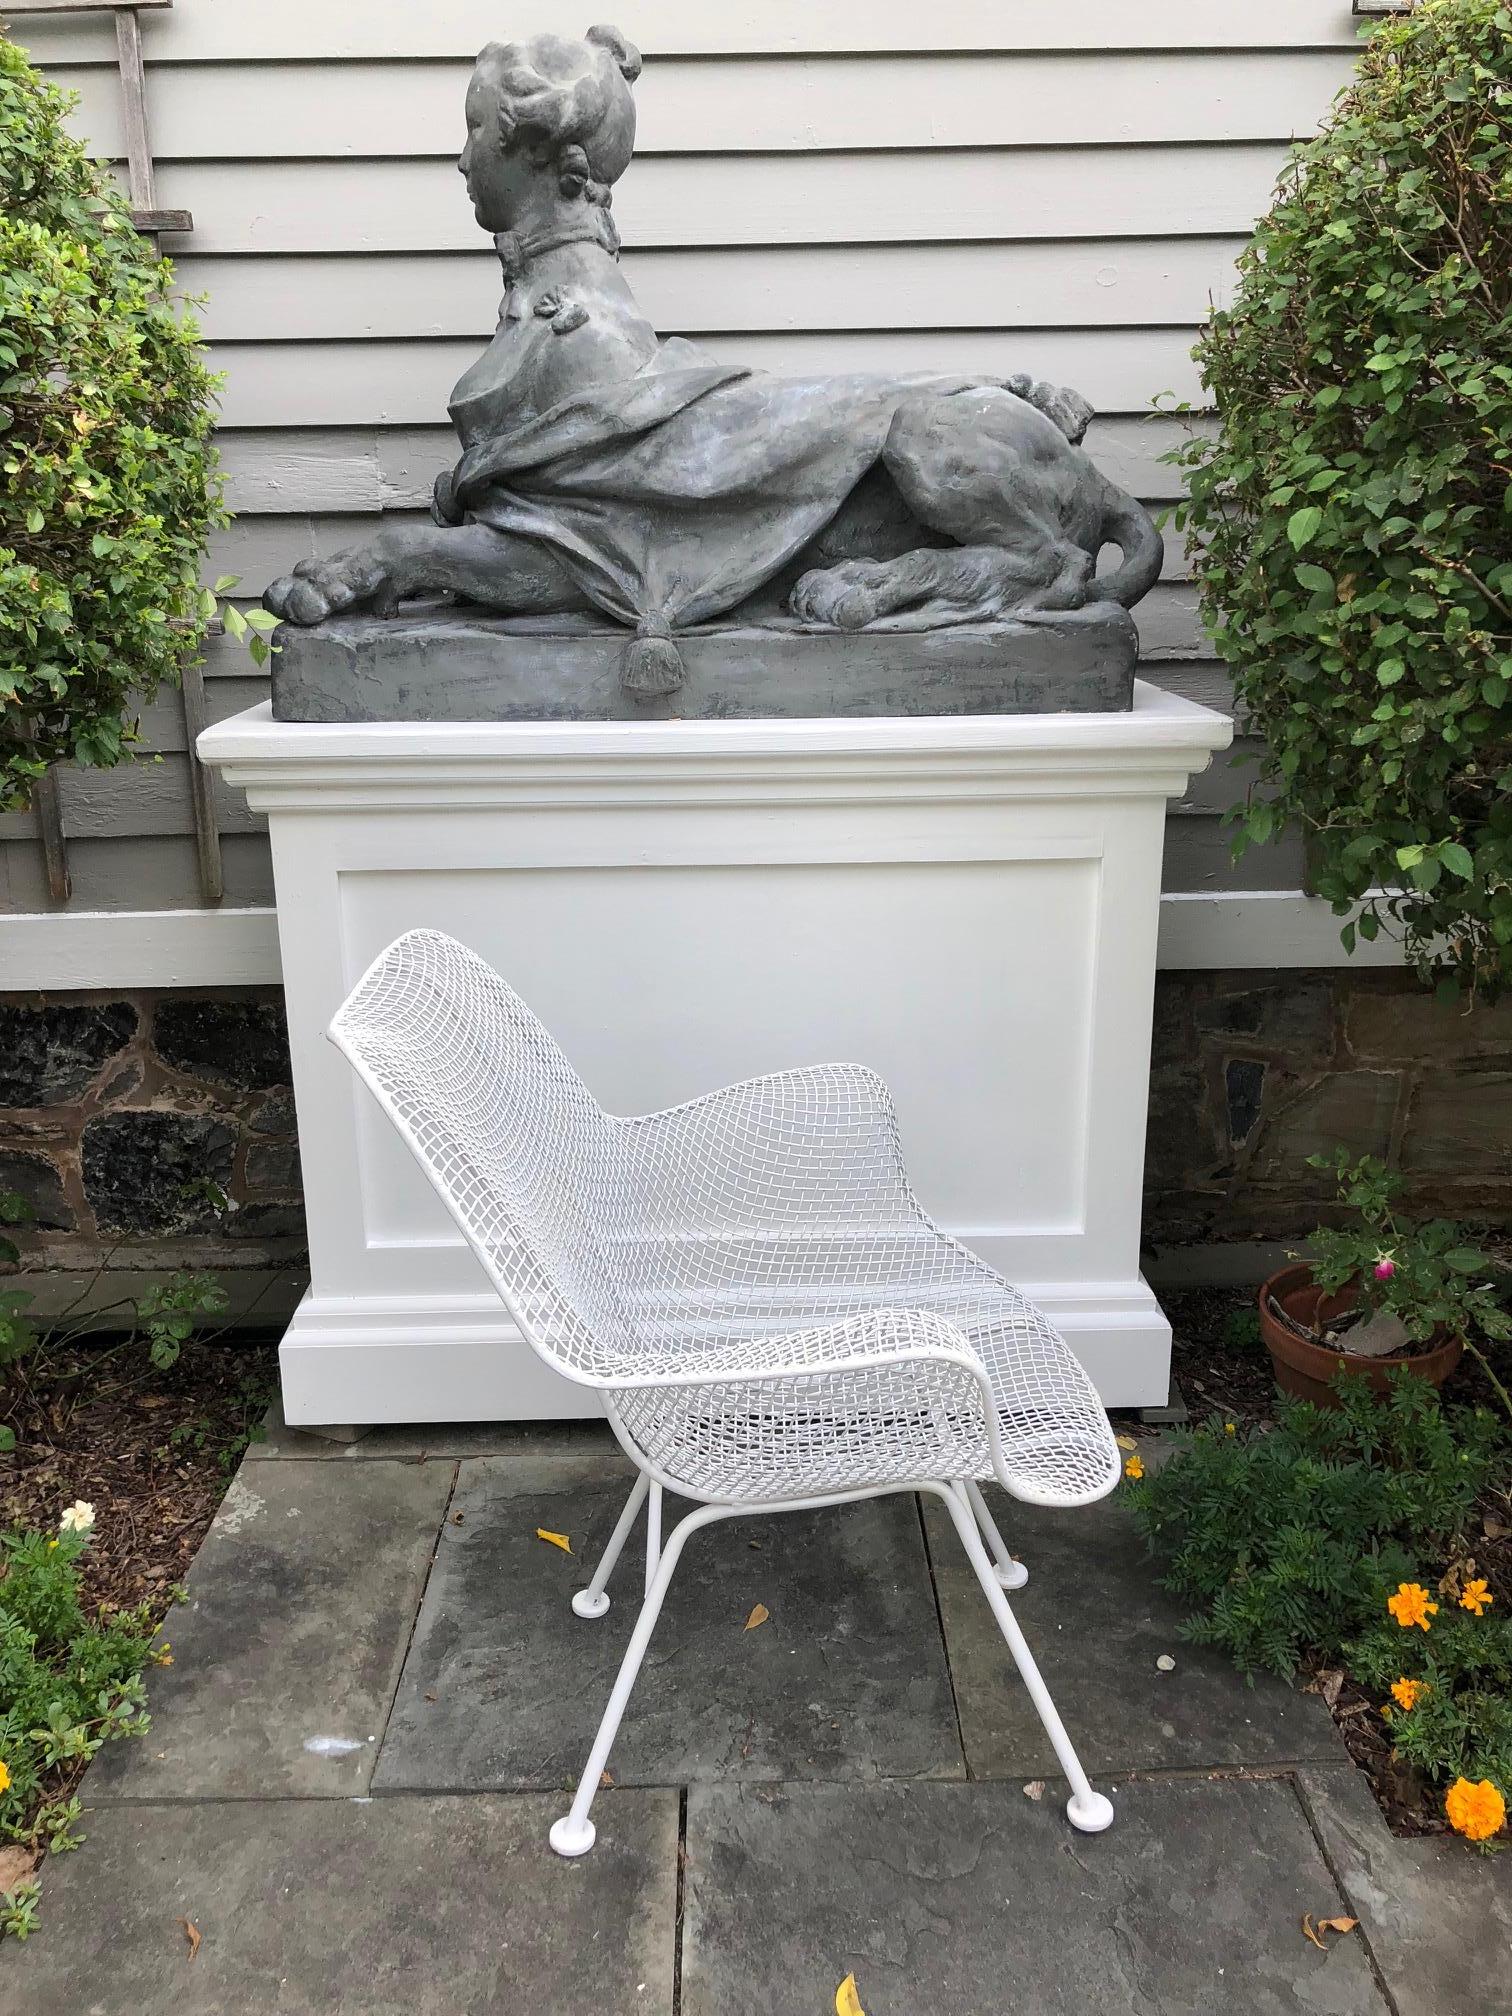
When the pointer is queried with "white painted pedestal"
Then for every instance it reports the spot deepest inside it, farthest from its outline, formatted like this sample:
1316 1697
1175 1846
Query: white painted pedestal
969 905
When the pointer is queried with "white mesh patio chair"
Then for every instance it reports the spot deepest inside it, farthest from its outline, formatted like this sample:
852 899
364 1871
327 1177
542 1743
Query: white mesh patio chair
747 1280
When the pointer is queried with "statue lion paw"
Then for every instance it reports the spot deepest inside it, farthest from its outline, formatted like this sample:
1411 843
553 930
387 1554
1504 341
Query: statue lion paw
843 597
316 589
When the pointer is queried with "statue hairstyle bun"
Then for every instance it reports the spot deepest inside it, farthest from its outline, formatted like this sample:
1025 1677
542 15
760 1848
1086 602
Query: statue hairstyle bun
626 56
570 104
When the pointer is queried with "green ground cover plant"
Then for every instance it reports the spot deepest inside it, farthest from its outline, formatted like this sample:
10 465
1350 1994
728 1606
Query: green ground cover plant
1352 515
69 1683
1349 1539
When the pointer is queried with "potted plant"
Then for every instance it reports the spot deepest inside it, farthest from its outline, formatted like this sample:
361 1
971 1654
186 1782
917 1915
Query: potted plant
1380 1294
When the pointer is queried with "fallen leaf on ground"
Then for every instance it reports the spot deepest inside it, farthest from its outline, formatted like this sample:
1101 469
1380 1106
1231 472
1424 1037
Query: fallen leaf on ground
606 1780
1494 1528
1126 1441
847 2001
1035 1789
1329 1684
1337 1924
554 1539
758 1616
192 1934
1311 1932
15 1866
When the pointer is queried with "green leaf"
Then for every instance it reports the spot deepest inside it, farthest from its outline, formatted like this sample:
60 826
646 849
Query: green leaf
1466 1260
1302 524
1389 671
1457 859
1409 857
1318 579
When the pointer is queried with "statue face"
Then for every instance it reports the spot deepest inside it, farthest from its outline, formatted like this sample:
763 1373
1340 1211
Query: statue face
499 179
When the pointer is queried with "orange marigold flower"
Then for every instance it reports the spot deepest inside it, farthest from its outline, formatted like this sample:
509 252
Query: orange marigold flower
1408 1692
1476 1811
1476 1596
1410 1605
1134 1469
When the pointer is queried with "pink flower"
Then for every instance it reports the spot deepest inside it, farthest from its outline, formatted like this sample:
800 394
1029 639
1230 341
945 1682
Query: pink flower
1385 1267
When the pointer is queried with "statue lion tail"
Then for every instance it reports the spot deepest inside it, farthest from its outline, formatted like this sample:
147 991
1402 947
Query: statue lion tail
1128 526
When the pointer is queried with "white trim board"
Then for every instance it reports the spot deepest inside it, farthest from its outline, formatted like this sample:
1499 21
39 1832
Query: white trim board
100 949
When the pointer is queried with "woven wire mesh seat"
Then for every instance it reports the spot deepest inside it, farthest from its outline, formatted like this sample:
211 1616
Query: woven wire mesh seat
771 1318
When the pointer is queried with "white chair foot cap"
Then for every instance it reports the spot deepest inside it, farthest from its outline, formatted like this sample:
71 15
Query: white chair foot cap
1090 1816
584 1605
572 1838
1014 1576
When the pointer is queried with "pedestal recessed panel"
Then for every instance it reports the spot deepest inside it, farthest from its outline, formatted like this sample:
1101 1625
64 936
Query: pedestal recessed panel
662 983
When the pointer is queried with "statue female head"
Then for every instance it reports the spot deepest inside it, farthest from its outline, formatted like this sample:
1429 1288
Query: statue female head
550 126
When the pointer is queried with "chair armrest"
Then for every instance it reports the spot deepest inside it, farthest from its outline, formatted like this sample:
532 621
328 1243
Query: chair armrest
784 1148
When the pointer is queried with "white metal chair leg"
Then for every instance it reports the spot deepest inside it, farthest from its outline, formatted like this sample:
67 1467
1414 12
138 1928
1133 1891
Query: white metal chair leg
653 1534
594 1600
573 1834
1087 1810
1012 1574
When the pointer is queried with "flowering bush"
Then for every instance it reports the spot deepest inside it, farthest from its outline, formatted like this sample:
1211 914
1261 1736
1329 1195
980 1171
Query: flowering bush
68 1683
1447 1665
1354 542
1291 1541
108 479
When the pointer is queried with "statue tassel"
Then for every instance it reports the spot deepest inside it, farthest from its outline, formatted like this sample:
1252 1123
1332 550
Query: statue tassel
652 664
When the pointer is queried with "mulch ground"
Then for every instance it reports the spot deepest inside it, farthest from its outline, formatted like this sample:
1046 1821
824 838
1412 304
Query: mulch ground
152 1452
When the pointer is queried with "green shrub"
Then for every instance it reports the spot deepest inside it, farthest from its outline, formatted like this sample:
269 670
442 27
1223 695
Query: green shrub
1292 1540
1354 513
68 1683
108 481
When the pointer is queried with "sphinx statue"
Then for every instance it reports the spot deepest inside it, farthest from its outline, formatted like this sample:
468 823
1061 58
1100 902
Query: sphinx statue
605 468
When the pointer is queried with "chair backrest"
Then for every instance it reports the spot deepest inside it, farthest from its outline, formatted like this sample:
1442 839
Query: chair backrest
514 1143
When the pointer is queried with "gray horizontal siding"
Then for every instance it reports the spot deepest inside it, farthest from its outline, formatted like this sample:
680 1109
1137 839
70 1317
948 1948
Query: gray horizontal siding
974 185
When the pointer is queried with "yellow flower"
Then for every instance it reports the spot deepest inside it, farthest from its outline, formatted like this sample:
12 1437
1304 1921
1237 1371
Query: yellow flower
1476 1811
1476 1596
1410 1605
1408 1692
1229 1428
1134 1469
4 1775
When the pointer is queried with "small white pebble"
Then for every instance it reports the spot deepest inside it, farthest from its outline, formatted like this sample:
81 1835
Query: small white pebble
1165 1663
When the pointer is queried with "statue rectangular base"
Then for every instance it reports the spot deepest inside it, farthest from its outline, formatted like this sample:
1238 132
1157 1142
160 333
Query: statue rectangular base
449 663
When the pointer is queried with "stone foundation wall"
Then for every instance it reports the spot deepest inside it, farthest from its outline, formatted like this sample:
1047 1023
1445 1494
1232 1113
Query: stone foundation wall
122 1118
125 1121
1253 1072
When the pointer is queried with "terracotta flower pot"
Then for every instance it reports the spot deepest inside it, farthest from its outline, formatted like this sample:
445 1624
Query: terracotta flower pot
1309 1369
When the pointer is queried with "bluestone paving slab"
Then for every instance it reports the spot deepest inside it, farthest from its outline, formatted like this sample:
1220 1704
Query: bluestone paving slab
583 1443
972 1900
1437 1915
504 1686
395 1907
301 1604
1097 1622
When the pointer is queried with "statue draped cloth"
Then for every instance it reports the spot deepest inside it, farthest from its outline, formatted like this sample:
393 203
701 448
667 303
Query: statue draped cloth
671 496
